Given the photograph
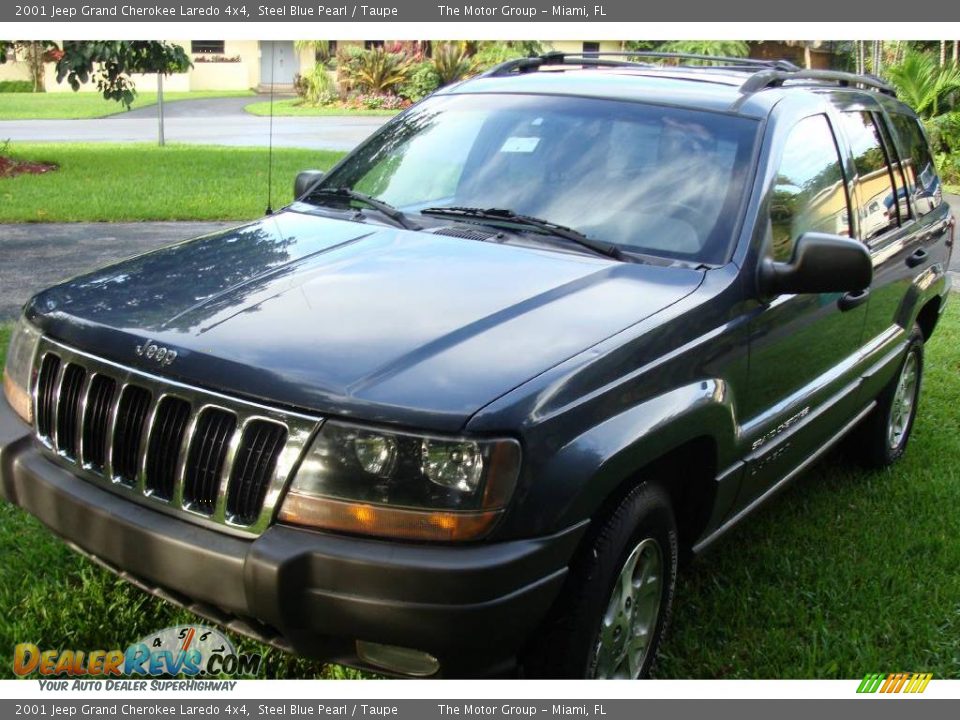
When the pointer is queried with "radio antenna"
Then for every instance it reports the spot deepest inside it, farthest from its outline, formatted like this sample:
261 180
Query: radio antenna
273 67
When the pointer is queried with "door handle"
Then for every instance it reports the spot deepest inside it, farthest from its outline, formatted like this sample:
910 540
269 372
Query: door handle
853 299
917 258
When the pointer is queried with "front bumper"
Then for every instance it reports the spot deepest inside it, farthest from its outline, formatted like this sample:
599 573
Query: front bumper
471 606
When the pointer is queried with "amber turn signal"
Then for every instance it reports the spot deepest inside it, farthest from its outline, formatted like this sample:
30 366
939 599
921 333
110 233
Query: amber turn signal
366 519
18 397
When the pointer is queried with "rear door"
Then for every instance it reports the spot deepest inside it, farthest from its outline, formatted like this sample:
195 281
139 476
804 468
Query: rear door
904 255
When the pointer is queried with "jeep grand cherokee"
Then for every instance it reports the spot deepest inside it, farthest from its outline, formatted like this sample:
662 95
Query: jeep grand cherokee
459 408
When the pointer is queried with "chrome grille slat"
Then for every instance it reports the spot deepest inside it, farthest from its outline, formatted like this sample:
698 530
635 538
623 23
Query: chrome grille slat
68 408
81 414
45 394
133 408
206 460
94 443
252 475
55 404
160 469
245 454
146 429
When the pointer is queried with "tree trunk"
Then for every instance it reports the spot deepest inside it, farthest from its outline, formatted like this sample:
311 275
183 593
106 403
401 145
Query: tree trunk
160 107
943 53
956 52
33 52
807 58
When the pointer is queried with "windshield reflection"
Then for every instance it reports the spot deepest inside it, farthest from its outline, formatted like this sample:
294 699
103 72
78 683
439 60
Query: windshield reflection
663 181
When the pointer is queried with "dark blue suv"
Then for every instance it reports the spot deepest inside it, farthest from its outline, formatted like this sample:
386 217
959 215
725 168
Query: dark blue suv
461 407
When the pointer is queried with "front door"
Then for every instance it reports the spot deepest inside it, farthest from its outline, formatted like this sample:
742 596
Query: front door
278 62
803 348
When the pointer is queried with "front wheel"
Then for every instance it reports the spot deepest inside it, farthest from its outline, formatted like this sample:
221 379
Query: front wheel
615 606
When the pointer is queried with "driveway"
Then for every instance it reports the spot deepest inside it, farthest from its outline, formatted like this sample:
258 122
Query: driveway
38 255
203 107
211 121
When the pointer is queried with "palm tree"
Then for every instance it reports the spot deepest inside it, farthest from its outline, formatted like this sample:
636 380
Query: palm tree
922 84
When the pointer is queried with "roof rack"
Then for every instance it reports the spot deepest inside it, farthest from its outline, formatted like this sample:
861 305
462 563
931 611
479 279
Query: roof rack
777 77
623 59
764 73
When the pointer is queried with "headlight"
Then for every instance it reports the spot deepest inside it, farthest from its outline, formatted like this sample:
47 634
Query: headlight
419 487
16 374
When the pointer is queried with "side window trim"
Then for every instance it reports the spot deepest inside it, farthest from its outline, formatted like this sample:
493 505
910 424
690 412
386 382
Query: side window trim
885 145
852 231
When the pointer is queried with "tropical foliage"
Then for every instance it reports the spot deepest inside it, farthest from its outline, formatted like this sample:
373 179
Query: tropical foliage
924 84
376 70
451 63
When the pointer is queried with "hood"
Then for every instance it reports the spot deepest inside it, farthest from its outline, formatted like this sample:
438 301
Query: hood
356 319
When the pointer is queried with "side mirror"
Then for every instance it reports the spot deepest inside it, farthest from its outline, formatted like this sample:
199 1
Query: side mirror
821 263
305 181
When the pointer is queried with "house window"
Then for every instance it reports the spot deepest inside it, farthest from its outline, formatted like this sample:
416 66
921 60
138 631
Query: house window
207 47
371 44
320 55
590 49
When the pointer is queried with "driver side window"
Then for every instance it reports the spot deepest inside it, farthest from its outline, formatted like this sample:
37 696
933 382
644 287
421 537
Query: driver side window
809 192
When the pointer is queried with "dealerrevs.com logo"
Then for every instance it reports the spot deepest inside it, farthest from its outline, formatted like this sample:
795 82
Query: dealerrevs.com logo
184 650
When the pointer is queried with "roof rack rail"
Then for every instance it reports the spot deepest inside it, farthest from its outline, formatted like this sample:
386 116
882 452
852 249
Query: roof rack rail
623 59
776 78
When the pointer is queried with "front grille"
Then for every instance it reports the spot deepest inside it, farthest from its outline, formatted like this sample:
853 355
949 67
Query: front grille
96 421
128 433
68 405
206 457
166 439
207 454
259 447
47 394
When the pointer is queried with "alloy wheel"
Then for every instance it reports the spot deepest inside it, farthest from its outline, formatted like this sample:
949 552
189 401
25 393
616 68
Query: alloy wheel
628 625
904 402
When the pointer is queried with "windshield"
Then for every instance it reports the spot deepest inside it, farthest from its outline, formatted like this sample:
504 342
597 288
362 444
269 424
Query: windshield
653 180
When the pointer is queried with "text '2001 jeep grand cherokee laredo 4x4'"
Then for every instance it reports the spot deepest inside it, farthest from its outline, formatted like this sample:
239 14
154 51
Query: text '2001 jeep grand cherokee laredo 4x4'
458 409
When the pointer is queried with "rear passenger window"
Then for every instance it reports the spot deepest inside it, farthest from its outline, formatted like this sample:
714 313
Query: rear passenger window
875 187
809 193
923 185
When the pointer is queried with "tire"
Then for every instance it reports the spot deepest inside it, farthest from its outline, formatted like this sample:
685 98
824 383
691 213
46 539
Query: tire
882 437
640 530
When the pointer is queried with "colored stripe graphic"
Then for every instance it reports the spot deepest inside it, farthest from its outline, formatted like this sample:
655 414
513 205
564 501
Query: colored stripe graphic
894 683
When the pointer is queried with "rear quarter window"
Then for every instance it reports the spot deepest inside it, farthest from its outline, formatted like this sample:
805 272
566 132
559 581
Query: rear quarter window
923 184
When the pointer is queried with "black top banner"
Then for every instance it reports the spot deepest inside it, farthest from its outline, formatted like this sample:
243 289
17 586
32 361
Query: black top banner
219 11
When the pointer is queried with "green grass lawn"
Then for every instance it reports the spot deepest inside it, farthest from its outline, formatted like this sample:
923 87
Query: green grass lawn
291 106
76 106
847 572
128 182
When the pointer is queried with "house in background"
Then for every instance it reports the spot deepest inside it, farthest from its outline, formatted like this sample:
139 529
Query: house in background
217 65
264 64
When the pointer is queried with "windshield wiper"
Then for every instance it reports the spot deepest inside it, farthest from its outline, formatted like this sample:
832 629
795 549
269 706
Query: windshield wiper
386 209
561 231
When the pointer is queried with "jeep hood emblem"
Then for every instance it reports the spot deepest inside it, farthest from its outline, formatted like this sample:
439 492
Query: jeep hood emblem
159 354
